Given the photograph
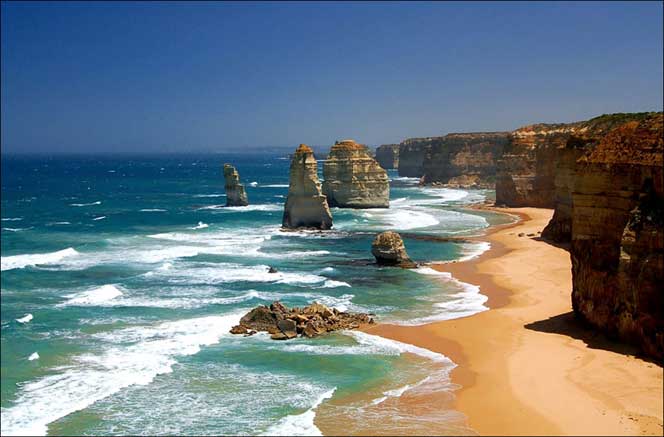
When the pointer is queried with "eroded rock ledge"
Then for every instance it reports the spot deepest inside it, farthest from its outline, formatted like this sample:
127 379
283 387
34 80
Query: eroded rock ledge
235 193
311 321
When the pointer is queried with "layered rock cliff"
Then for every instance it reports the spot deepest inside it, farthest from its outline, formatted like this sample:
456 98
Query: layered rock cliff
411 156
387 156
306 206
579 138
353 179
235 193
617 246
464 159
534 155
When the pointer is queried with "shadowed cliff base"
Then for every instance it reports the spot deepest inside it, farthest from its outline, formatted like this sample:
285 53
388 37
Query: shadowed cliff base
571 326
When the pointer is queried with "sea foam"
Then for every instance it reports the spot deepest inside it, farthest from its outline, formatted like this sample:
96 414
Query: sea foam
300 424
22 261
94 377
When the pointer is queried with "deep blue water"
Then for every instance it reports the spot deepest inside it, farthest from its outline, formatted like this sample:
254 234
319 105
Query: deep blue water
133 271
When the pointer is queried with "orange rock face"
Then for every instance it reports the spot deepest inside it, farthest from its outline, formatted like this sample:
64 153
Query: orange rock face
617 246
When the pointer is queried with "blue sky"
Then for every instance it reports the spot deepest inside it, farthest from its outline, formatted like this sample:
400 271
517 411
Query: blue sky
149 77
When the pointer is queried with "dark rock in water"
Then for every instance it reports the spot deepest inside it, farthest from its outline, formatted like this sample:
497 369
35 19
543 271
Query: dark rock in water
272 270
311 321
388 249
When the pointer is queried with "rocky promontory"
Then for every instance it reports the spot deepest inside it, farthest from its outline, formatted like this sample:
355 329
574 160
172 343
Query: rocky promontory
235 193
389 250
353 179
387 156
617 246
464 160
311 321
306 206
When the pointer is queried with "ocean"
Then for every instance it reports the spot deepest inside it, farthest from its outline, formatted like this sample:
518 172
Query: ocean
121 277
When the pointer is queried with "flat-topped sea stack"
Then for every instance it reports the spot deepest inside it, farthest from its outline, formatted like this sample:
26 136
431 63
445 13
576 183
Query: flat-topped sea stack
464 160
353 179
306 206
235 193
387 156
617 247
411 156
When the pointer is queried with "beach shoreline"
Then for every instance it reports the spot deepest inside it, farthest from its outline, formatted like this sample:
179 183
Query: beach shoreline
527 366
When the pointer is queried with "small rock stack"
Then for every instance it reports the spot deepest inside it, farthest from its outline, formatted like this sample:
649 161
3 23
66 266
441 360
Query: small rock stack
389 250
235 194
311 321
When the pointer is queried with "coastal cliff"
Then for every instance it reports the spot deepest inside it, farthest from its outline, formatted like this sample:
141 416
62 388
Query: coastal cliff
387 156
579 139
353 179
617 246
411 156
306 206
464 159
235 193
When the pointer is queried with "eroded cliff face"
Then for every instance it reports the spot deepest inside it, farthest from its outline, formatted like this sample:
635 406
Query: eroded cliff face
617 246
235 193
411 156
464 159
580 139
306 206
353 179
387 156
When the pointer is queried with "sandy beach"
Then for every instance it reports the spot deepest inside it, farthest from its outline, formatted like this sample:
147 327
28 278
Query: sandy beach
526 366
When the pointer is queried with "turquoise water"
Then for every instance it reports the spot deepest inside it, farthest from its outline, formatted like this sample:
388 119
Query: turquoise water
122 276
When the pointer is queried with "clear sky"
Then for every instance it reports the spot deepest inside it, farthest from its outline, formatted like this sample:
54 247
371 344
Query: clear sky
105 77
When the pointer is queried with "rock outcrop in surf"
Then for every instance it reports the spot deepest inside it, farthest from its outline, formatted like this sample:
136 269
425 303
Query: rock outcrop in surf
353 179
306 206
311 321
235 193
389 250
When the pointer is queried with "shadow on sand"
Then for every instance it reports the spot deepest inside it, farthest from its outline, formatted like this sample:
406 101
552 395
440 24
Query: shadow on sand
567 324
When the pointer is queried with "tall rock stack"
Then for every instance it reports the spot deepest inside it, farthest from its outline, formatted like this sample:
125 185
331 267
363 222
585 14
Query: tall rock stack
235 194
306 206
353 179
466 160
617 245
387 156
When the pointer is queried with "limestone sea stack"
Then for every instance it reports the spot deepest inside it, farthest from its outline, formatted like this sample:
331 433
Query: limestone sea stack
387 156
353 179
389 250
617 246
235 194
311 321
306 206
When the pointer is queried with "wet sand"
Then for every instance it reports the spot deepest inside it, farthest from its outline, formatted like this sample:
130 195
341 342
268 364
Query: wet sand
526 366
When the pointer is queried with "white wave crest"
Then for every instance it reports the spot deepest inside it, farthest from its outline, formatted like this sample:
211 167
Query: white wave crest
300 424
200 225
94 296
33 356
25 319
98 202
21 261
99 218
12 219
152 210
275 186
